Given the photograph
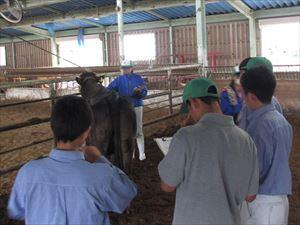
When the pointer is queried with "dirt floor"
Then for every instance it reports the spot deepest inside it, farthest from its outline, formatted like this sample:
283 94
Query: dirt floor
151 206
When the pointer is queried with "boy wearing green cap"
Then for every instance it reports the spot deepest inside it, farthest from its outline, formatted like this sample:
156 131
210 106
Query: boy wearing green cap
212 164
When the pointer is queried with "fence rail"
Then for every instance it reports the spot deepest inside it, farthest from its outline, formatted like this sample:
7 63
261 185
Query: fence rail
166 79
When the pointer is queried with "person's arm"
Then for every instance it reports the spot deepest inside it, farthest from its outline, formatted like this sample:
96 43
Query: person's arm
16 203
171 168
114 85
144 88
120 191
277 105
166 188
254 179
226 107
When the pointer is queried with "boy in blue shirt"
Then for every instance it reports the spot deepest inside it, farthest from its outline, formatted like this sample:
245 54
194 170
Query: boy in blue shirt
133 86
272 135
75 184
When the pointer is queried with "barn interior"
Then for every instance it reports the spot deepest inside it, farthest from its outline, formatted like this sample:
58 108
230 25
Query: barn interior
170 42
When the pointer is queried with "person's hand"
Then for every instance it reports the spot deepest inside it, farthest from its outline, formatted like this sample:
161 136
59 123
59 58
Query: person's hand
250 198
91 153
187 121
137 91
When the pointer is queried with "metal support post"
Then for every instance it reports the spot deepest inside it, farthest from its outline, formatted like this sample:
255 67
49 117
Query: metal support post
170 92
171 43
201 32
106 48
120 29
52 93
54 50
252 37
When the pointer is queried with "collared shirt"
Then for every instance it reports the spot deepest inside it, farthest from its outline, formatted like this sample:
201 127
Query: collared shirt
65 189
125 85
213 165
245 111
272 135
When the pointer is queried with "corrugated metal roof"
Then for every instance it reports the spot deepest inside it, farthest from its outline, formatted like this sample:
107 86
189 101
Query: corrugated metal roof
177 12
131 17
267 4
36 12
219 8
13 32
213 8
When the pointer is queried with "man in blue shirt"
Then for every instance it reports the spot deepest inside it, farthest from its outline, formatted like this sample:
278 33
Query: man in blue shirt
133 86
272 135
75 184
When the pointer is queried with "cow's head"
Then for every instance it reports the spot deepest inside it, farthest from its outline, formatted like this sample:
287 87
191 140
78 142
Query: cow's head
84 77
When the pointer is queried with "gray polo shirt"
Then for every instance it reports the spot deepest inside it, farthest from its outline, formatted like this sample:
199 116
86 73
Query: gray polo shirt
213 165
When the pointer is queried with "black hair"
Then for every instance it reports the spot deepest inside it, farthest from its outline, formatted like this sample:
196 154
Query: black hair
71 116
208 99
261 82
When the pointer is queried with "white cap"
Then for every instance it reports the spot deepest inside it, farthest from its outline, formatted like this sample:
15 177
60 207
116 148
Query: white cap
126 64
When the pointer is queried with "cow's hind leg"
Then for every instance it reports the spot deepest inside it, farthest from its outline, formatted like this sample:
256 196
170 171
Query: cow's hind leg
127 151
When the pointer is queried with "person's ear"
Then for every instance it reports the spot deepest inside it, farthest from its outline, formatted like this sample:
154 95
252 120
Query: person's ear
193 104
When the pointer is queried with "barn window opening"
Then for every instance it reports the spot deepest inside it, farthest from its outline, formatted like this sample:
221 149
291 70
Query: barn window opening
140 47
2 56
280 41
87 53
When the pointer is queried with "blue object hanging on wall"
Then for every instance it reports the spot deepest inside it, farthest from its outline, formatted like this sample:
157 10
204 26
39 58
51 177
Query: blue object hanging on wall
50 28
80 38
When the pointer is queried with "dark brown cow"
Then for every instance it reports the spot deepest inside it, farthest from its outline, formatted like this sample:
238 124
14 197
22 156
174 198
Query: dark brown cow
114 126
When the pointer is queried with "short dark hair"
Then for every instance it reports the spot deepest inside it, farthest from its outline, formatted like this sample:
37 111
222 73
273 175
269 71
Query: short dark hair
71 116
261 82
207 100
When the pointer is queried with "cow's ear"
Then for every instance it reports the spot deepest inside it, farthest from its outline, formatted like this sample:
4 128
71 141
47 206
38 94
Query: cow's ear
78 80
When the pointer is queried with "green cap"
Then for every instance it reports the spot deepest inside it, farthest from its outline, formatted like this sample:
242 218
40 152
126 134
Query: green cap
198 87
258 61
